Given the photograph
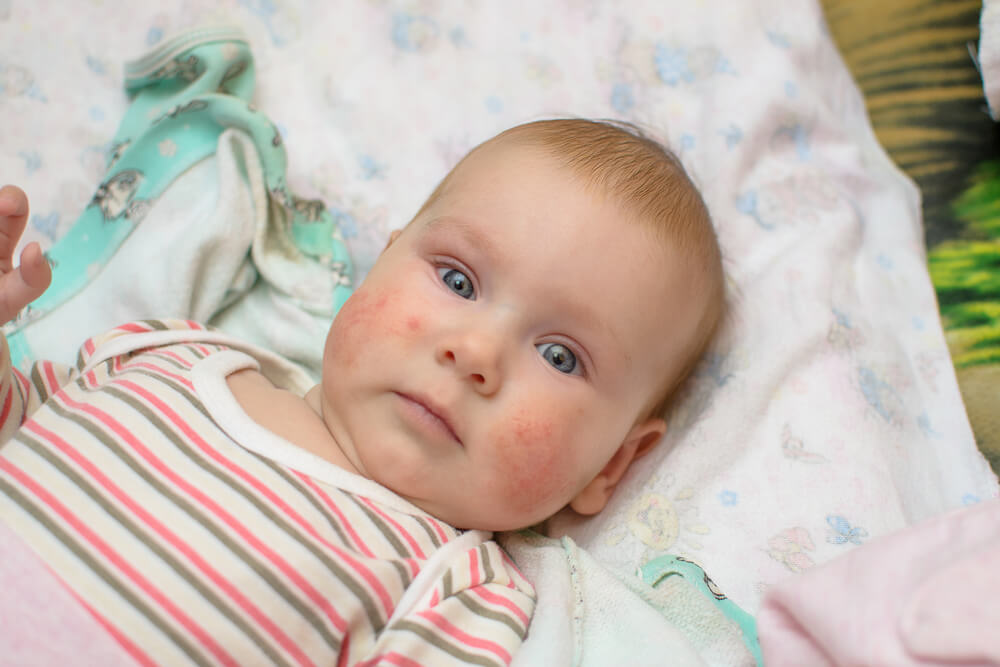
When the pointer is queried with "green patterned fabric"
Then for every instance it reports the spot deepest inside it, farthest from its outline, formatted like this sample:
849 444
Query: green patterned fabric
925 98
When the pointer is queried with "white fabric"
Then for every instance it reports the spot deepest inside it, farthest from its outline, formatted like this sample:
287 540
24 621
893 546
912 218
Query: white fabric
586 616
827 414
203 228
988 56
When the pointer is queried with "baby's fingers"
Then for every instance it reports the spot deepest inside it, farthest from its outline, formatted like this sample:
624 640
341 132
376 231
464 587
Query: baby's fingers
24 284
13 216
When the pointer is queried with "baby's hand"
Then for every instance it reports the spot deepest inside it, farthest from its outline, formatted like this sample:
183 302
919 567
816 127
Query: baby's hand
21 285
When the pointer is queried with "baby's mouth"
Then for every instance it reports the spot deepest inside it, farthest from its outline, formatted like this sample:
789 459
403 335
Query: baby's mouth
435 415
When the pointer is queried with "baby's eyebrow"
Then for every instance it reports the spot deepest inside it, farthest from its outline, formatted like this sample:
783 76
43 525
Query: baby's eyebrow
470 233
586 315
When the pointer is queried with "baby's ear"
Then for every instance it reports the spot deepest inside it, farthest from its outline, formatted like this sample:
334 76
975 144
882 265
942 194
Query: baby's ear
392 237
639 441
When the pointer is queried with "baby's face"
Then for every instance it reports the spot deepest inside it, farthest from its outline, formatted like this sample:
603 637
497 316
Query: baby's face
505 344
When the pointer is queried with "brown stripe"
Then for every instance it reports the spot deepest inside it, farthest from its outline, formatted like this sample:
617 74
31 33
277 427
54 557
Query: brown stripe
84 555
441 643
375 618
447 585
467 599
431 533
309 495
170 361
484 558
264 571
150 541
387 531
39 383
155 324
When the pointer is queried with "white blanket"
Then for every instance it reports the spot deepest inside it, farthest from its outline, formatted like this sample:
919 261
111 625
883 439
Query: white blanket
827 414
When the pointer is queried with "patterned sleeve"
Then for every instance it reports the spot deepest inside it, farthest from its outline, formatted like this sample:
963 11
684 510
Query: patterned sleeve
477 615
20 394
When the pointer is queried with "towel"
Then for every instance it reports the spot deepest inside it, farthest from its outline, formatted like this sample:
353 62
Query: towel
585 612
195 175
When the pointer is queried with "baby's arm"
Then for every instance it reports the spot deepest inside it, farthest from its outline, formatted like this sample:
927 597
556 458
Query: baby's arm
18 287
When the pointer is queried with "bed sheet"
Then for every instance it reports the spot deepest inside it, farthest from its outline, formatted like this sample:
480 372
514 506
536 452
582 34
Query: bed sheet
828 411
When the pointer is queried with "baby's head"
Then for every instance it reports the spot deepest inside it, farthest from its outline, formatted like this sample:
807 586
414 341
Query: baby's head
514 347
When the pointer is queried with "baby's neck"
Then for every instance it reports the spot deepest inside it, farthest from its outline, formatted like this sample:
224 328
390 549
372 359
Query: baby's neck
297 419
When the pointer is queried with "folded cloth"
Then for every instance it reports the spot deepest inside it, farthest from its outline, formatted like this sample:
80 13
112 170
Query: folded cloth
670 612
196 183
924 596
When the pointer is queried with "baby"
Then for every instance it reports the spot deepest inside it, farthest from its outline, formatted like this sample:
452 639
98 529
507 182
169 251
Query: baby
511 353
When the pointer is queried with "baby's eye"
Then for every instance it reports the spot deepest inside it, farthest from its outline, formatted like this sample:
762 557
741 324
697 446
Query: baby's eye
457 282
560 356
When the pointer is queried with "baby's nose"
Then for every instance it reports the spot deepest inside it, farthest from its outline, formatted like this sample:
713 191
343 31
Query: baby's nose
475 355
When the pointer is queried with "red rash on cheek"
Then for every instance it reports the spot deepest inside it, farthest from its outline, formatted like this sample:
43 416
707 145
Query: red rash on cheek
531 461
353 327
413 323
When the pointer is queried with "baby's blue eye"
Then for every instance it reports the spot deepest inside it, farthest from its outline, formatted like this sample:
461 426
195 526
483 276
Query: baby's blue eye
560 356
457 282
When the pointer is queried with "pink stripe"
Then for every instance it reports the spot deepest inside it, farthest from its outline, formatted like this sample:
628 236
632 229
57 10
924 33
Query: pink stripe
373 582
501 601
510 563
8 400
89 346
474 579
161 371
51 383
414 547
465 638
171 538
165 352
25 393
135 327
330 505
116 560
200 497
197 326
391 659
22 380
132 649
345 649
442 535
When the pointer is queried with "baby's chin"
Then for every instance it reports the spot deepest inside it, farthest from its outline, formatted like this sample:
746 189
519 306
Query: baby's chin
463 519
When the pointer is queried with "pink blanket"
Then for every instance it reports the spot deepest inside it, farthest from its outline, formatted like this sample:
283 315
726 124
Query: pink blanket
929 595
42 623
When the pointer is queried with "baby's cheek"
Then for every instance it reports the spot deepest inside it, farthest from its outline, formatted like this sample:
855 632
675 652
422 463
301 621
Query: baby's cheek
356 324
533 460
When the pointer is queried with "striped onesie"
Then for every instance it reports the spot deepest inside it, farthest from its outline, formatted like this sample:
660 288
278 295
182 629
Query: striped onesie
195 536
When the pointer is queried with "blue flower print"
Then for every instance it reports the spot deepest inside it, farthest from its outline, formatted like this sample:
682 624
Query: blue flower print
877 392
733 135
32 160
622 98
413 33
672 65
728 498
843 532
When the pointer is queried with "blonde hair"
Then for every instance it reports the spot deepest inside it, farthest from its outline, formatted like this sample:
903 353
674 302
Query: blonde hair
648 180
